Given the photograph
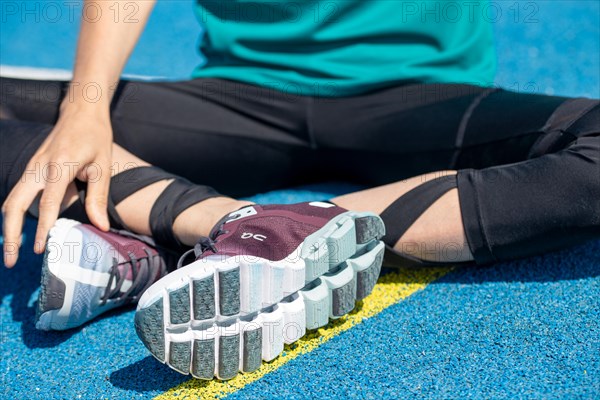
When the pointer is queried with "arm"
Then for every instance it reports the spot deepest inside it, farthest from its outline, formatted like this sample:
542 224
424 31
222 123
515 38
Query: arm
103 49
82 134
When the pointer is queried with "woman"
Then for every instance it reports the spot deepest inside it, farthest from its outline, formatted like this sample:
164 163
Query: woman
379 93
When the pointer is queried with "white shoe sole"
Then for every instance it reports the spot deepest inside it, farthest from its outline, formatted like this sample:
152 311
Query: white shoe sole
220 316
69 292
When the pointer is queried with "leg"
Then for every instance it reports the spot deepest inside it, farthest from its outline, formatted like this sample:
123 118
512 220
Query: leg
514 209
202 114
427 238
264 253
134 210
501 213
238 138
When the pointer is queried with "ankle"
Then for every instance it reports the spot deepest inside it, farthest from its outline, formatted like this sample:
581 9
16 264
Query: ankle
199 219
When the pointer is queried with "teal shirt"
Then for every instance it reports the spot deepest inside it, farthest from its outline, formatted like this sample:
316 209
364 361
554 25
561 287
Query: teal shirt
346 47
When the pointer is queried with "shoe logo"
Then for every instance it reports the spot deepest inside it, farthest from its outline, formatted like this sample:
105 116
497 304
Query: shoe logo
247 235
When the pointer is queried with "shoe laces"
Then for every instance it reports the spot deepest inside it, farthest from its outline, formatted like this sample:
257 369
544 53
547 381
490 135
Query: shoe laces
144 272
206 243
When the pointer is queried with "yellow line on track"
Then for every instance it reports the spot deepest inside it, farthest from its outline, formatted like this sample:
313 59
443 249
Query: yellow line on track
390 289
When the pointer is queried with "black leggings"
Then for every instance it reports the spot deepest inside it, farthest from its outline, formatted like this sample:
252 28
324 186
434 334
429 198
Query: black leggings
529 169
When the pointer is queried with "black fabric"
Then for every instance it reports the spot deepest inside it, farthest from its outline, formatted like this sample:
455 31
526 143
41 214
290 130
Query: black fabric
528 168
402 213
534 206
175 199
129 181
20 139
122 185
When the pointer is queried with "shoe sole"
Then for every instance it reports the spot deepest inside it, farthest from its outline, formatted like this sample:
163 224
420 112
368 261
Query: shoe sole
218 317
62 294
56 292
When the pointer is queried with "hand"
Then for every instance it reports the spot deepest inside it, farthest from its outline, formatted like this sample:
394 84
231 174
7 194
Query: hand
79 147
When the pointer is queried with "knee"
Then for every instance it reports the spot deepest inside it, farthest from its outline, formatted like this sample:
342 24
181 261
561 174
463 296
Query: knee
20 140
587 124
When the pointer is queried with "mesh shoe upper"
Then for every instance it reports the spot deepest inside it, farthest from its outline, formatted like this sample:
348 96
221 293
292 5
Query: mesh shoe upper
272 232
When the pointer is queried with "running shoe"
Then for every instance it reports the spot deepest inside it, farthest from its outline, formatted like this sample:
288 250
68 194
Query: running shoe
87 272
263 277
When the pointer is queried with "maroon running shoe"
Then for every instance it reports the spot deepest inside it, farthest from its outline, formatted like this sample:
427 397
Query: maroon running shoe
263 277
87 272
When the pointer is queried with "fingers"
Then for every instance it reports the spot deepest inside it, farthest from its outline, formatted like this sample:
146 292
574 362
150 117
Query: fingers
49 206
13 211
96 200
12 227
54 186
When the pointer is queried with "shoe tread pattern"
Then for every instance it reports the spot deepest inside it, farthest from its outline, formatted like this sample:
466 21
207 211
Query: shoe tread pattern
352 246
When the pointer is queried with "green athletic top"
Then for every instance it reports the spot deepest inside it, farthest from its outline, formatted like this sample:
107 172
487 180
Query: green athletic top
346 47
